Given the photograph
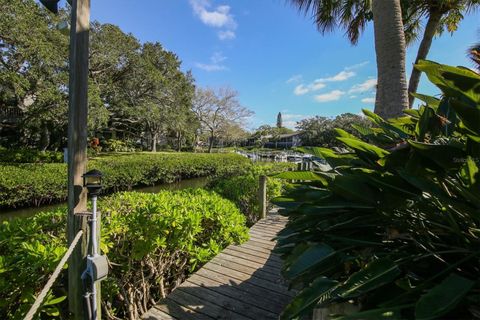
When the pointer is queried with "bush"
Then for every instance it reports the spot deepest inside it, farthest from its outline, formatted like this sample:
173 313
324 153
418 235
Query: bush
158 237
393 225
114 145
243 189
36 184
29 156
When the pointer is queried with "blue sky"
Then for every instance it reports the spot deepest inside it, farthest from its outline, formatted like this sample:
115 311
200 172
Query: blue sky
271 54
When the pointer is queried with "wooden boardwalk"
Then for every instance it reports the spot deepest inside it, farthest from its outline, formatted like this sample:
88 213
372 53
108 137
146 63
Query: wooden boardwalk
242 282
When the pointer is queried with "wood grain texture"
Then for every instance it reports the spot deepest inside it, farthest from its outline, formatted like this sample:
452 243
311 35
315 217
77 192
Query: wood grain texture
242 282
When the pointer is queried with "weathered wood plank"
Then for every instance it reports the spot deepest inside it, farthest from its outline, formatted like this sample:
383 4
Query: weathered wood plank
242 282
251 247
202 306
247 256
259 254
269 276
242 290
248 263
176 310
155 313
252 278
232 298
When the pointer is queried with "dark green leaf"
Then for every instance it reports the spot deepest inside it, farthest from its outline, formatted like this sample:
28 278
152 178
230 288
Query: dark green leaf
442 298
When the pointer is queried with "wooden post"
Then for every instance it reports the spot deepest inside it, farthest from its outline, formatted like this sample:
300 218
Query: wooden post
262 196
77 150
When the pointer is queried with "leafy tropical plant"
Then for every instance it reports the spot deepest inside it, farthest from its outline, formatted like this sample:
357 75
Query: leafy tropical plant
153 241
393 225
242 189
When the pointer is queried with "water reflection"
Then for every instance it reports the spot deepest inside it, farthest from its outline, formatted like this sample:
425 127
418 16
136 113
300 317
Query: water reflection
31 211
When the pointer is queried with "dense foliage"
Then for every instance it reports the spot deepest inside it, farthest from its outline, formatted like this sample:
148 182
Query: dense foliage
152 241
136 90
243 189
392 226
320 131
29 156
36 184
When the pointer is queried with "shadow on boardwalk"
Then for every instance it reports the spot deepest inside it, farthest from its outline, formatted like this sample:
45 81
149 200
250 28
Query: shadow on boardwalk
242 282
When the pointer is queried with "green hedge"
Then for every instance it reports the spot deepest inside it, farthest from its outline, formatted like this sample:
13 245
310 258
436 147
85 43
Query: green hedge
29 156
243 189
159 237
37 184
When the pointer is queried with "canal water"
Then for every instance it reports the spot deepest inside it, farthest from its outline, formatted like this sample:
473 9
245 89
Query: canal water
31 211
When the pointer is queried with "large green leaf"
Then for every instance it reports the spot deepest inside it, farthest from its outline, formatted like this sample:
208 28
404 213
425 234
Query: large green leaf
442 298
424 124
308 258
319 290
354 188
301 175
373 152
376 274
391 313
469 172
470 115
454 82
334 159
446 156
429 100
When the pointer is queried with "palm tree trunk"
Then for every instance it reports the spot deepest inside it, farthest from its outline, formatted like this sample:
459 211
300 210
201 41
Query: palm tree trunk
430 30
392 94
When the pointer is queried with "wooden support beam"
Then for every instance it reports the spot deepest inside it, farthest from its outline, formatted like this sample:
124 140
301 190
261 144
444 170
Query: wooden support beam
262 196
77 150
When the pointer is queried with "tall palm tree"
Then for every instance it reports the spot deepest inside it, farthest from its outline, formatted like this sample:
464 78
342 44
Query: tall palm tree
353 15
392 96
440 14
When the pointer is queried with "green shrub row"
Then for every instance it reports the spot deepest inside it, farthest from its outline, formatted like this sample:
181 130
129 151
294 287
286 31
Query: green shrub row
159 238
29 156
37 184
243 189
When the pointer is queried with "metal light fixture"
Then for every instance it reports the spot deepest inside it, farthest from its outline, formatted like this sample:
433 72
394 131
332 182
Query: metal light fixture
97 264
92 180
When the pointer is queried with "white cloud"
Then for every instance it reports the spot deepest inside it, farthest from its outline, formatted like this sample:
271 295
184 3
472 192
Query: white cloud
210 67
368 100
219 17
364 87
357 66
216 63
318 84
226 35
353 97
330 96
300 90
341 76
295 78
217 57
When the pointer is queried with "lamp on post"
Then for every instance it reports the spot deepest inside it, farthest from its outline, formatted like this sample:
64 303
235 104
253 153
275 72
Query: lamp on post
97 265
92 180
